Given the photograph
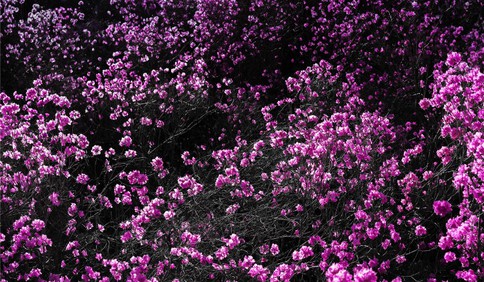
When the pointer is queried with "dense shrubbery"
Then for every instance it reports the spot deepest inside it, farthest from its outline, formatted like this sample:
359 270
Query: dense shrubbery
242 140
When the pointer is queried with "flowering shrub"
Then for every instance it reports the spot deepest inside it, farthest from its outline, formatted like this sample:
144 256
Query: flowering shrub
459 92
242 141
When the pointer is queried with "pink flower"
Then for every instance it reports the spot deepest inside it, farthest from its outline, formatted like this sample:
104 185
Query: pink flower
219 183
441 208
372 233
54 199
303 253
19 223
450 257
424 104
445 153
157 164
125 141
232 208
31 94
274 249
283 272
96 150
185 182
35 273
38 224
146 121
259 271
453 59
420 230
337 273
401 259
467 275
264 249
365 275
82 178
427 175
222 253
72 210
169 215
233 241
446 242
247 262
130 154
135 177
126 236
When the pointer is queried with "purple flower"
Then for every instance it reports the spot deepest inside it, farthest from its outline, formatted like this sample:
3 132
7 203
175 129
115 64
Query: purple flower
38 224
82 178
420 230
303 253
450 257
453 59
337 273
125 141
54 199
274 249
96 150
222 253
446 242
136 177
157 164
441 208
365 275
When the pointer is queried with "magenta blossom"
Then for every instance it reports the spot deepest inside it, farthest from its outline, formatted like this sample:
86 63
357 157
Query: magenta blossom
441 208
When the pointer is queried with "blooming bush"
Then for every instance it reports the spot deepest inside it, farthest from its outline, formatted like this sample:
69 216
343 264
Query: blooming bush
242 140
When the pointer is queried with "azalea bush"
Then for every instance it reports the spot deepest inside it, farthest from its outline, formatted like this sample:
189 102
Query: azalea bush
242 140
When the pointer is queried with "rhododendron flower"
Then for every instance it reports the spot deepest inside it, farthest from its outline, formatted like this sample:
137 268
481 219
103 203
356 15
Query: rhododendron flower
185 182
338 273
445 153
126 236
82 178
125 141
259 272
233 241
468 275
222 253
441 208
219 183
38 224
274 249
420 230
264 249
365 275
303 253
54 199
446 242
453 59
96 150
449 257
157 164
283 272
136 177
169 215
247 262
401 259
130 154
232 208
424 104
